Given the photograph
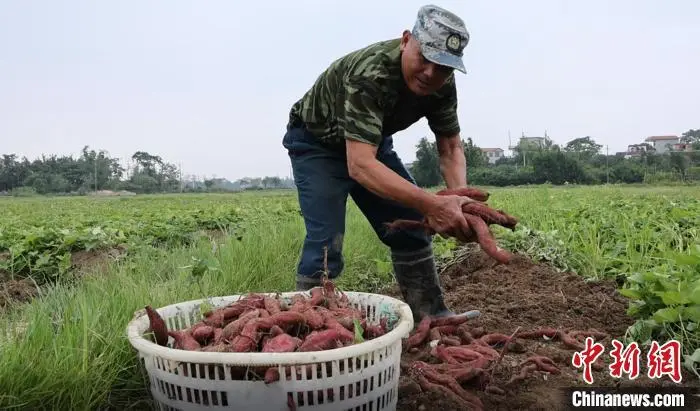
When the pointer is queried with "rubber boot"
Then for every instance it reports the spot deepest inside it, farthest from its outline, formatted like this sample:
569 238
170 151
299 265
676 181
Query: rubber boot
419 283
307 283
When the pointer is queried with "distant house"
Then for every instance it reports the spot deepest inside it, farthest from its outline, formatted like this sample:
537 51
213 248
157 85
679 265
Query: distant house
492 154
527 143
663 144
682 147
636 150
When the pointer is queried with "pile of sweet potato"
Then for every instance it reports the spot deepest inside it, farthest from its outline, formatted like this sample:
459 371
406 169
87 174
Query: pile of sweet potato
479 217
258 323
454 360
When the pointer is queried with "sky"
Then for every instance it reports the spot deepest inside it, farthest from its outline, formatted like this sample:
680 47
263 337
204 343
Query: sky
208 84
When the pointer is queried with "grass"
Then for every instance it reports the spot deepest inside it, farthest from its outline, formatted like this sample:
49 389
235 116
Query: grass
68 350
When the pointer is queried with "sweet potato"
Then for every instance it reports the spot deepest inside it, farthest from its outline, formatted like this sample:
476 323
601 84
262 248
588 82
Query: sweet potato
234 328
420 334
455 320
450 341
569 342
459 353
313 318
272 305
494 339
486 240
543 364
203 333
286 319
473 193
539 333
184 341
581 335
446 381
157 326
323 340
275 331
483 350
282 343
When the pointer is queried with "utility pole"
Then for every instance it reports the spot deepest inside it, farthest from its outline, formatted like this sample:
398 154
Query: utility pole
179 166
607 164
95 162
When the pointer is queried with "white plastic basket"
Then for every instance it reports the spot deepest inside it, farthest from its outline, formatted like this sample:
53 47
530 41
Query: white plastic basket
363 376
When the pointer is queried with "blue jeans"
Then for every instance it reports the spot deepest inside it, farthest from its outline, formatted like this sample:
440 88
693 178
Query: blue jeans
323 185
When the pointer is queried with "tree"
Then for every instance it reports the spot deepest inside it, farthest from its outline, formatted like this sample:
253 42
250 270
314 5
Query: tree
426 168
692 137
584 148
473 154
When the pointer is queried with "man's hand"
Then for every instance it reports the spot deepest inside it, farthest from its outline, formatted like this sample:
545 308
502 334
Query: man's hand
446 217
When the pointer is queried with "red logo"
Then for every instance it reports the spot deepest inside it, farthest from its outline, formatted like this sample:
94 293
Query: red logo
665 360
588 356
625 361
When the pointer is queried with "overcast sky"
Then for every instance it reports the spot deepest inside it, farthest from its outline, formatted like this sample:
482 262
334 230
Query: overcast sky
209 84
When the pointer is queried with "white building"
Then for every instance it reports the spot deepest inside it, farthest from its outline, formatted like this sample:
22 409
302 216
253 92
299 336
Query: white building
492 154
663 144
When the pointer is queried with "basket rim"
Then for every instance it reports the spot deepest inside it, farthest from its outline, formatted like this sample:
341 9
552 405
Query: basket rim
144 346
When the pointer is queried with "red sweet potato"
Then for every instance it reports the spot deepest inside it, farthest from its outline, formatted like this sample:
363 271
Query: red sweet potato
483 350
333 324
420 334
454 320
203 333
494 339
157 326
539 333
450 341
581 335
473 193
282 343
543 363
569 342
275 331
287 319
184 341
323 340
234 328
272 305
313 318
486 240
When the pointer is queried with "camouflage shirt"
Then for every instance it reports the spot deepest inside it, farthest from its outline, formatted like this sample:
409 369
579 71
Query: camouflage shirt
363 96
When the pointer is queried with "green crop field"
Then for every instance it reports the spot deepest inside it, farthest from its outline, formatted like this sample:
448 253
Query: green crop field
66 347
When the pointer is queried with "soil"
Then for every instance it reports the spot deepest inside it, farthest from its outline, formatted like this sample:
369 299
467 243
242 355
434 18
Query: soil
22 290
528 295
13 291
95 261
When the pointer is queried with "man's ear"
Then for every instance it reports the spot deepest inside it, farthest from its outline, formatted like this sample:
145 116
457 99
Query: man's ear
405 37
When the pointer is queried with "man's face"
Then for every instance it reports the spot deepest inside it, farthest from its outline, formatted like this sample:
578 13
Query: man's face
423 77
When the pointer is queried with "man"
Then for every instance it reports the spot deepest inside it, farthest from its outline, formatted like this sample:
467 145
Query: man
339 140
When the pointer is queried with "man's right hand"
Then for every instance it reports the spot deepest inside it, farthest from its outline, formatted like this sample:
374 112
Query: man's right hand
446 218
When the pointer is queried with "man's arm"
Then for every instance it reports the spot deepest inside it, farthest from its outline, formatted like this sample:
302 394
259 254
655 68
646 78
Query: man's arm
444 123
364 168
453 164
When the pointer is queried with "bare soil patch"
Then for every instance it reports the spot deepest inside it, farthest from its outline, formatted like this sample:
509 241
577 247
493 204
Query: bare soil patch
530 296
13 291
83 262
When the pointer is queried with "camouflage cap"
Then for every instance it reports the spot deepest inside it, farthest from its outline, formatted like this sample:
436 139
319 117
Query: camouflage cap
442 36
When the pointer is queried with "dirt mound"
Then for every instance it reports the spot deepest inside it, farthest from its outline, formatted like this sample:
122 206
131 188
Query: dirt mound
530 296
16 290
